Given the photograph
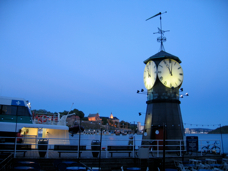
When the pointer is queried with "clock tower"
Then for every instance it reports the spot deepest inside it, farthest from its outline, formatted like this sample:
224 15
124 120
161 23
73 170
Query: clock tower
163 77
163 105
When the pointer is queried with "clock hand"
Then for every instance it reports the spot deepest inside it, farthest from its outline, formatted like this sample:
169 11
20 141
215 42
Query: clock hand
148 72
168 68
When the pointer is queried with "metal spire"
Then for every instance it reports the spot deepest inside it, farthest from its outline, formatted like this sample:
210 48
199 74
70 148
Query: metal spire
161 38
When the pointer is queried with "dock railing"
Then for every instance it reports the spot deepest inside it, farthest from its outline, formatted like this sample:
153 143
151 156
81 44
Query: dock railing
155 147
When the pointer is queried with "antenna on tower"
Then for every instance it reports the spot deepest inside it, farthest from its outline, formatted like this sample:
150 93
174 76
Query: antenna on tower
161 38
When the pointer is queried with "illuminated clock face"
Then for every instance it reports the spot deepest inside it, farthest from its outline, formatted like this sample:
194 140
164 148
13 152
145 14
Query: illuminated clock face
170 73
150 74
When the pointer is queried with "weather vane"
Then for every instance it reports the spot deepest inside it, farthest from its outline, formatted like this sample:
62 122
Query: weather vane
161 38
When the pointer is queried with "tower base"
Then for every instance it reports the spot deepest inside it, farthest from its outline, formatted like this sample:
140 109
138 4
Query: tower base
163 118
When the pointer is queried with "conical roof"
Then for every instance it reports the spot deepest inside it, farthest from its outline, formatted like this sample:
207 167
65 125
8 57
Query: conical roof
162 55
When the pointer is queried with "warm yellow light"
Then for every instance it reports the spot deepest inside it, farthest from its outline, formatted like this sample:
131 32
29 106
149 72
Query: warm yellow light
150 74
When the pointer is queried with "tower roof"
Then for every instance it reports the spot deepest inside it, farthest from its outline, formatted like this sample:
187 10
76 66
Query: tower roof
162 55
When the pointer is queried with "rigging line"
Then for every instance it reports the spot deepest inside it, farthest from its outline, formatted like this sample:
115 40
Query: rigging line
203 124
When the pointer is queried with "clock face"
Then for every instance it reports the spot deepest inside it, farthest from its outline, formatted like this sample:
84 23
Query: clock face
150 74
170 73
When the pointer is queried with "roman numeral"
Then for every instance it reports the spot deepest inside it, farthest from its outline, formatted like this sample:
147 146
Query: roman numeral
181 74
179 68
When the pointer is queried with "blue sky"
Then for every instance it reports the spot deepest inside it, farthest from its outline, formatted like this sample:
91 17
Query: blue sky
91 53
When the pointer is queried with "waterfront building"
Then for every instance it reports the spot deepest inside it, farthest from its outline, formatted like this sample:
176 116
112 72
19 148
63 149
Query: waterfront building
187 131
94 117
114 121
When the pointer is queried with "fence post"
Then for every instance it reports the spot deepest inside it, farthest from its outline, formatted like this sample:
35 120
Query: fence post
180 149
78 146
106 150
201 148
157 148
15 147
133 146
47 148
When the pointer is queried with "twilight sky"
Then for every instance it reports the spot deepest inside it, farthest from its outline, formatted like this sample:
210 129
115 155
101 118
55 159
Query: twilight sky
91 52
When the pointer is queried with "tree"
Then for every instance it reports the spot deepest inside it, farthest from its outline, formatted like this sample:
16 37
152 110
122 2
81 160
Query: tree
220 130
64 112
85 119
110 121
122 123
127 125
104 121
77 113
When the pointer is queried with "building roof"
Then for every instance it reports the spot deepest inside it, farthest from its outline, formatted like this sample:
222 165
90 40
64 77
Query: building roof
92 115
104 117
162 55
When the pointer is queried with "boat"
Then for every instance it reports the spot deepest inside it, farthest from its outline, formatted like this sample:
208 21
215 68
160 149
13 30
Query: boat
15 115
123 133
117 132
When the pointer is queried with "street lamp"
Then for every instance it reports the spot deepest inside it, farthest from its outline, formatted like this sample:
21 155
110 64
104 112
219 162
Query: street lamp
186 94
182 95
141 91
140 113
181 90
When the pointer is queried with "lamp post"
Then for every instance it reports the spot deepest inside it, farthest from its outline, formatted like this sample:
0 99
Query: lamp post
79 137
15 142
164 132
221 138
100 150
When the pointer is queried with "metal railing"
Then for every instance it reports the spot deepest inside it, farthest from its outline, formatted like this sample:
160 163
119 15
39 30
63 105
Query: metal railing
5 164
155 147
